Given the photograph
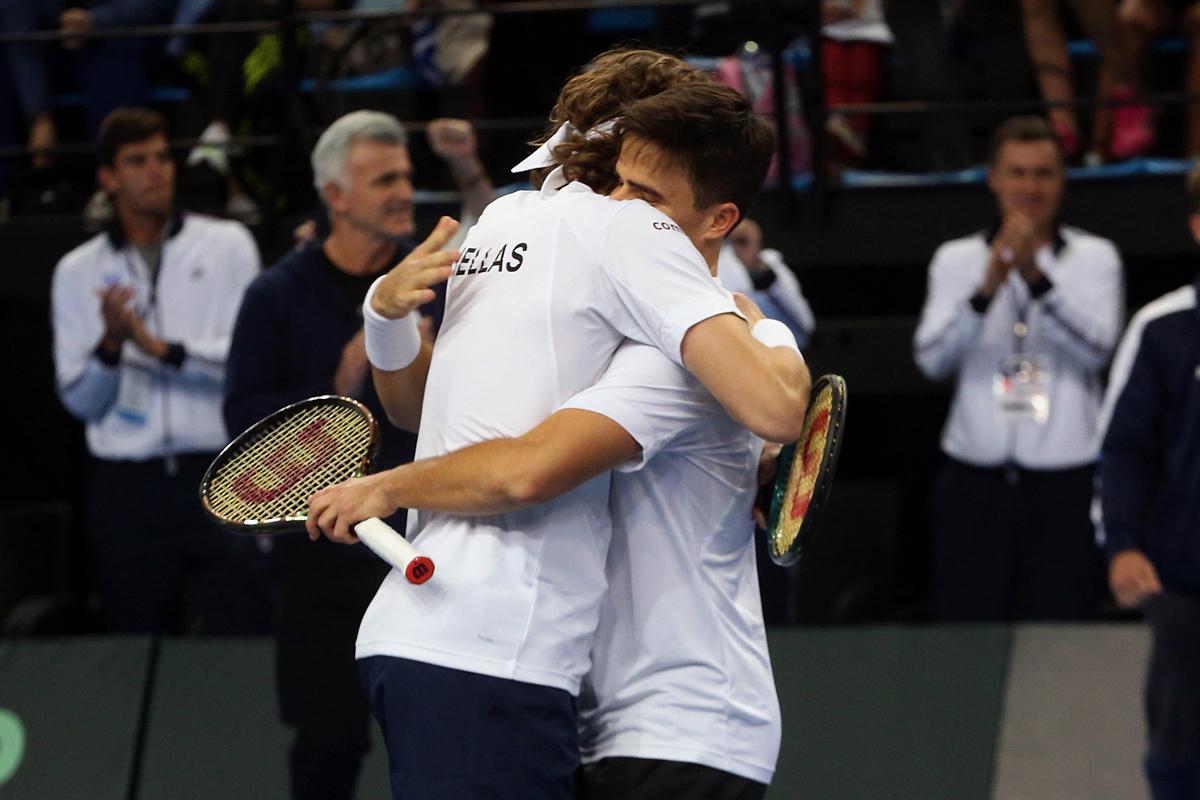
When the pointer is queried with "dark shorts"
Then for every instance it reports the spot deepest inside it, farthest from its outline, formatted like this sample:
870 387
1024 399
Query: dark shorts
623 778
455 735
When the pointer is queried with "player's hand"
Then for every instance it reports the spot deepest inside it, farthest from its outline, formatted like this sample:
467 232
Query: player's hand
336 510
749 309
407 284
768 467
1132 578
452 139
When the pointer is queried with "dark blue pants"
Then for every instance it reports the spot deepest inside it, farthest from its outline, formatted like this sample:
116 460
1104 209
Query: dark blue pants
1173 697
163 567
455 735
1014 545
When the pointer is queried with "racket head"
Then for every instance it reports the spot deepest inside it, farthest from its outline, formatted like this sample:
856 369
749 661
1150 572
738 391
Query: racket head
805 473
261 481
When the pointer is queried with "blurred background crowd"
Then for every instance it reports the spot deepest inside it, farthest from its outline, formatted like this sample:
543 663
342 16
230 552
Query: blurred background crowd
945 509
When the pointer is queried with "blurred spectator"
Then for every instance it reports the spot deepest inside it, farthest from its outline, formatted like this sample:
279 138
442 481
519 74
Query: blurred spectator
1142 20
25 67
1023 317
1149 516
922 70
236 73
299 333
749 71
855 37
761 274
1131 135
111 72
454 141
142 316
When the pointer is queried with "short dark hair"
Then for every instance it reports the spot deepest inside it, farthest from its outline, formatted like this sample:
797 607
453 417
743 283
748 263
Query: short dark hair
1193 189
1022 129
711 131
127 126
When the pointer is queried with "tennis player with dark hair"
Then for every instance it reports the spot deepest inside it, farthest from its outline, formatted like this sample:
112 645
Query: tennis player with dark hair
548 284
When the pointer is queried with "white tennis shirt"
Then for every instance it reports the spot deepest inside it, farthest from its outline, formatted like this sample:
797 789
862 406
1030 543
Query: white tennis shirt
548 285
680 668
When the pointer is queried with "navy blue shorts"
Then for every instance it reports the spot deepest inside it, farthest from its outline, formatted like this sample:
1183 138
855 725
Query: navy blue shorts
455 735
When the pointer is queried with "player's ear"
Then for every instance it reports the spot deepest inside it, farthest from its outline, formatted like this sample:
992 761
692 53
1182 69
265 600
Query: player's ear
1194 225
723 218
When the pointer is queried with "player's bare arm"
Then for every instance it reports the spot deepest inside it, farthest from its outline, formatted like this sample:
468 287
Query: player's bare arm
493 477
764 388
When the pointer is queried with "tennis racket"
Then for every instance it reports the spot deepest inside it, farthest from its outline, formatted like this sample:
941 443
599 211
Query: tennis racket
261 482
806 472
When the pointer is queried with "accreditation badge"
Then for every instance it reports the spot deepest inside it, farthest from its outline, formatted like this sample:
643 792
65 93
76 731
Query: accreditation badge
1021 387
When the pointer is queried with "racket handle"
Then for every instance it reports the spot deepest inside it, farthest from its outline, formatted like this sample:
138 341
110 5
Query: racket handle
394 549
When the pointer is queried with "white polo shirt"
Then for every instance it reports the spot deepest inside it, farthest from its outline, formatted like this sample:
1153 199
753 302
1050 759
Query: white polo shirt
548 285
680 669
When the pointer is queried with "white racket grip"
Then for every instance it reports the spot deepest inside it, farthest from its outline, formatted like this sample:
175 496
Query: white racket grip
393 548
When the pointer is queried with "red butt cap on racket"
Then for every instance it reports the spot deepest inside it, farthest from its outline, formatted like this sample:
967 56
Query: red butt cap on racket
395 549
419 570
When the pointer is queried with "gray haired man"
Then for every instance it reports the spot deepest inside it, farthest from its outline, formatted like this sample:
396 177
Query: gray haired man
298 334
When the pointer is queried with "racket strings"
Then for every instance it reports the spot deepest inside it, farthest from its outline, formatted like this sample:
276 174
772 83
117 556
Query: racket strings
805 470
273 474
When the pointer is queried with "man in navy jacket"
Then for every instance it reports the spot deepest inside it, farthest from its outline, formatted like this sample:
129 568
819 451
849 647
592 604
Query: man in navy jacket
1149 515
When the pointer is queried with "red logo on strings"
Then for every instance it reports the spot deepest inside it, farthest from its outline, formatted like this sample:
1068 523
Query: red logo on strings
312 449
810 461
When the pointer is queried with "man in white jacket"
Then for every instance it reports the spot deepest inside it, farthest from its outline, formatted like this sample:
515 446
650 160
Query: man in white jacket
142 316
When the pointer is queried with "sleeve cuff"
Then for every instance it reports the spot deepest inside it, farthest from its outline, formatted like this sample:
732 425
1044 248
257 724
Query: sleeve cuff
1039 287
763 280
175 355
980 303
106 358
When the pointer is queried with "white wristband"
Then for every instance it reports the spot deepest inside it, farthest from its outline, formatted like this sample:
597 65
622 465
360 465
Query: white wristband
392 344
774 333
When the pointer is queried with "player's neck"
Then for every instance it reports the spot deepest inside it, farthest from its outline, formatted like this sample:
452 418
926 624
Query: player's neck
356 253
712 254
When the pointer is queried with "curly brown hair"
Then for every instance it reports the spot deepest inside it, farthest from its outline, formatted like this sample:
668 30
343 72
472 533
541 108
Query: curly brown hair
613 80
